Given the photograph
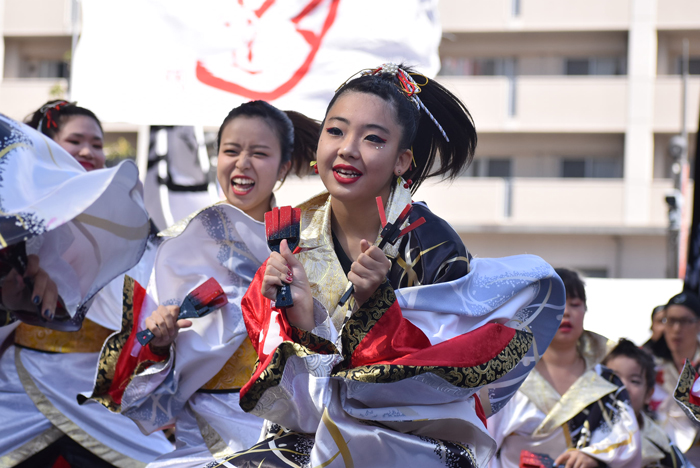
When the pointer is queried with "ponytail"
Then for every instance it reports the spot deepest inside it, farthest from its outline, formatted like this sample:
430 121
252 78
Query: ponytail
306 134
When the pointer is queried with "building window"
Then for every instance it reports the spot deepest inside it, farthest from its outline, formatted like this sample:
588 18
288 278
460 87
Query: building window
490 167
599 168
573 168
499 168
43 69
595 66
693 65
462 66
594 272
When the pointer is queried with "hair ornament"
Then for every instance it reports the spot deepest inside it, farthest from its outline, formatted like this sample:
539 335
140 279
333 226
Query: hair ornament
48 112
408 86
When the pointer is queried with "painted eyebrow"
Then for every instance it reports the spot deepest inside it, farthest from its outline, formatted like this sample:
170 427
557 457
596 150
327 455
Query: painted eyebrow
81 135
368 126
238 145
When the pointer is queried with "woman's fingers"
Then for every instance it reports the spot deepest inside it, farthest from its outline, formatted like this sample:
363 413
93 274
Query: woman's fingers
49 301
164 325
184 323
288 255
32 266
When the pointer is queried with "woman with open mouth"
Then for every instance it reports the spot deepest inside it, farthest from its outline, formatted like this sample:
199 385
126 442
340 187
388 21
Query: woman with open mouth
390 372
571 408
190 374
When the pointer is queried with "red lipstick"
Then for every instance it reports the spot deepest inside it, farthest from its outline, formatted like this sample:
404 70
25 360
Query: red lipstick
346 174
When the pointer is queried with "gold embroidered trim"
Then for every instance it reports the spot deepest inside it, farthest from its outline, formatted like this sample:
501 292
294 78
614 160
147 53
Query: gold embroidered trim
119 230
585 391
337 436
34 446
237 370
67 426
272 375
593 348
109 355
326 276
217 447
465 377
655 443
612 447
88 339
682 392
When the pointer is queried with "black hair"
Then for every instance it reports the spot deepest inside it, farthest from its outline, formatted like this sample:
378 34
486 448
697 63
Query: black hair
419 132
656 310
628 349
575 287
297 133
50 117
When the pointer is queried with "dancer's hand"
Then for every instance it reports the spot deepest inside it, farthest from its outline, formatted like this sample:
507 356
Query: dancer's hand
576 459
164 325
285 268
44 296
369 271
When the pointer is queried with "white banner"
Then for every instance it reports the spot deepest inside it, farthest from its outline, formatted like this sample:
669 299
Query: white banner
181 62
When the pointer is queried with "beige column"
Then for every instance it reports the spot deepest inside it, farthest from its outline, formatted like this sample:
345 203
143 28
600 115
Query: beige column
639 135
2 40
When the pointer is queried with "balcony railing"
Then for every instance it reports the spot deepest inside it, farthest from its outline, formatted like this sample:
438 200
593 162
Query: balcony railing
568 204
19 97
37 17
536 15
544 103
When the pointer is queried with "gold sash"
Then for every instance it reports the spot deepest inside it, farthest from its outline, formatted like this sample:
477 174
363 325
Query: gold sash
237 370
88 339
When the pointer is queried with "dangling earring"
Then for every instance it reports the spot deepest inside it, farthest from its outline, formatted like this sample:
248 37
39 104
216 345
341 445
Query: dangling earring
314 164
408 183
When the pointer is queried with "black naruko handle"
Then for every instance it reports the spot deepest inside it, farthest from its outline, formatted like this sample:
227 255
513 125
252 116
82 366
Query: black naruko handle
346 296
145 337
284 297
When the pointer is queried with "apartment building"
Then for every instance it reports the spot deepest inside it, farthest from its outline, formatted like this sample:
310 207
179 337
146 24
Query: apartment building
36 61
575 102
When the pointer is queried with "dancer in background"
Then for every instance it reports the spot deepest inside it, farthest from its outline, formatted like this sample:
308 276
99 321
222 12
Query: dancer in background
196 368
635 367
570 408
681 332
42 369
658 316
390 377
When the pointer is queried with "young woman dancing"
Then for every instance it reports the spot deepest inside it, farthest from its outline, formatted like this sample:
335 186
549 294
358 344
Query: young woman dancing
195 368
570 408
431 341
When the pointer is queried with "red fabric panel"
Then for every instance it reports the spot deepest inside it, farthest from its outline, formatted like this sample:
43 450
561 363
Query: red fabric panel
126 364
395 340
479 409
467 350
257 313
694 399
61 462
391 338
254 307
